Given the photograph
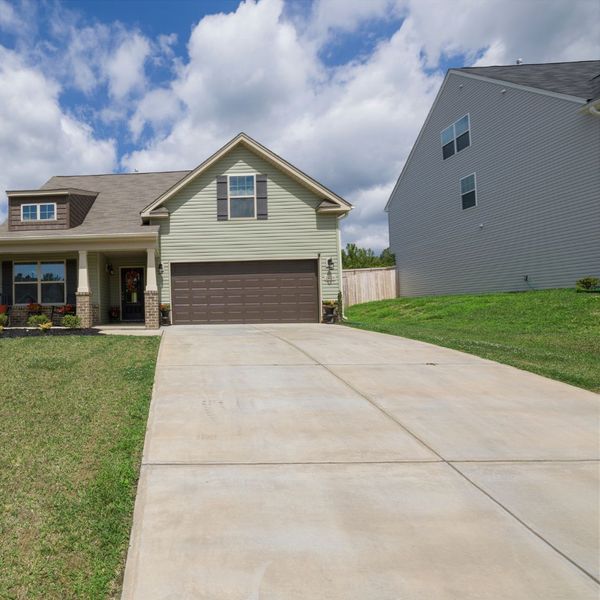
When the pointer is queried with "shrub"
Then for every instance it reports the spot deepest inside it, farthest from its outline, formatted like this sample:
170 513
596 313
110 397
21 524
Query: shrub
37 320
44 327
165 308
3 320
34 308
588 284
71 321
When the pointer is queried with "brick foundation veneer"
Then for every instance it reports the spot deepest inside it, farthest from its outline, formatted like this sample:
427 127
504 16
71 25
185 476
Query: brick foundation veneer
85 308
152 314
19 314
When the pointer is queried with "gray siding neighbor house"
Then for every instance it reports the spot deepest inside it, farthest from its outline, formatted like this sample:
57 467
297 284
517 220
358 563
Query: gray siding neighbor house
245 237
501 191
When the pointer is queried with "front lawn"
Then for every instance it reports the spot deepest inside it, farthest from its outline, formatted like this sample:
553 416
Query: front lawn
72 421
555 333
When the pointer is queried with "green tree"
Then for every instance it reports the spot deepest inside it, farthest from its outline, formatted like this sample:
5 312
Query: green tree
354 257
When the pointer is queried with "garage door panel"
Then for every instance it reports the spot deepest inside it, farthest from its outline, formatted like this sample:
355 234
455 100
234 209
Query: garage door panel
245 292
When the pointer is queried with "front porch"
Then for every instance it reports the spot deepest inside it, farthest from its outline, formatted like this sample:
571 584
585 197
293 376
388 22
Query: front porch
100 286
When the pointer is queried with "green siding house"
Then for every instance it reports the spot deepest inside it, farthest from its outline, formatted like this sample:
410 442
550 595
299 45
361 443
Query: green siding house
244 238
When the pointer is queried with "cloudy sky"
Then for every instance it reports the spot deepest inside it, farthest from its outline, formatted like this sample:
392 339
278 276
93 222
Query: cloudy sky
338 87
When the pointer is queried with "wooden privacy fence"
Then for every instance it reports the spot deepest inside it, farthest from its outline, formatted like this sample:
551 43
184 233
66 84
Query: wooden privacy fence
365 285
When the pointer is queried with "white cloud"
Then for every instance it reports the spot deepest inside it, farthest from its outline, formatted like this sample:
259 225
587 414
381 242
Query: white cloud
124 67
37 138
261 69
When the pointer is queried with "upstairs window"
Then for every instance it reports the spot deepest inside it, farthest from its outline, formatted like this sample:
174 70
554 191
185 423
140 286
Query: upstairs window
468 191
38 212
457 137
242 197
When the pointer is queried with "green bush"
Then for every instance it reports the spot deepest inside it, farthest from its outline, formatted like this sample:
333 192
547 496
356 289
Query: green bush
588 284
71 321
3 319
37 320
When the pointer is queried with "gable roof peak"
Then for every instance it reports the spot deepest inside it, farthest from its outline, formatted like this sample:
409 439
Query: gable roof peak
264 153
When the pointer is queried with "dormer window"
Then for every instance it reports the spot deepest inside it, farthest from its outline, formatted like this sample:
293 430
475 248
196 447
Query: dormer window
38 212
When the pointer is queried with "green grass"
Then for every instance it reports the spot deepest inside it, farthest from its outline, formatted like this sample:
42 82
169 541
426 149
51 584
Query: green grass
555 333
73 415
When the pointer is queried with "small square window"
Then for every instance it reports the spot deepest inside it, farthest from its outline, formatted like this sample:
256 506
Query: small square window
47 212
29 212
241 208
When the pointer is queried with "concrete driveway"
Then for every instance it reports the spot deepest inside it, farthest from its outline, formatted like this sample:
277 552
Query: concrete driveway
310 461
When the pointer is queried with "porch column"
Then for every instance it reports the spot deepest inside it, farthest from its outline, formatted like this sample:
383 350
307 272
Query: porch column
83 295
151 308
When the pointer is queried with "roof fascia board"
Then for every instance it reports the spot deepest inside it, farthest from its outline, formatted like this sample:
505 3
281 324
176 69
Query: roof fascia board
261 151
519 86
59 192
103 237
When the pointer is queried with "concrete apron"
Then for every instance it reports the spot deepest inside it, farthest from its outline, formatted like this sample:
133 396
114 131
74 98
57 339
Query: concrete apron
307 461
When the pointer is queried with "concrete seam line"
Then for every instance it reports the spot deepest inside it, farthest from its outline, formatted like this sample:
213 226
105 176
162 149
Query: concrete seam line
450 464
290 464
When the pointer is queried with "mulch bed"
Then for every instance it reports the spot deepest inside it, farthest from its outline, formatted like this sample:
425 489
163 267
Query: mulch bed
19 333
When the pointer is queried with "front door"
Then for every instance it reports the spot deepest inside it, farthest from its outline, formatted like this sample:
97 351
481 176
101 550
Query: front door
132 294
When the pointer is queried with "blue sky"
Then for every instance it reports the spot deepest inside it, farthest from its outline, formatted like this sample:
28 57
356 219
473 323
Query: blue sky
338 87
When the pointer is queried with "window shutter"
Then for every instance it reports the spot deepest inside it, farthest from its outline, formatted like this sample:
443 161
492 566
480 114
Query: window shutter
7 275
71 275
261 197
222 209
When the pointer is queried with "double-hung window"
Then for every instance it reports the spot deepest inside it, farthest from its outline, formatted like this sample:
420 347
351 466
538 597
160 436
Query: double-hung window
39 282
242 196
38 212
468 192
457 137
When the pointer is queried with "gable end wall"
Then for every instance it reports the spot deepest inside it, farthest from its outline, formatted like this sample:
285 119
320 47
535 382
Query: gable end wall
293 228
537 164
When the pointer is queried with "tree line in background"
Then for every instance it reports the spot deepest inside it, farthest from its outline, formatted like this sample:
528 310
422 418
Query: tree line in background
354 257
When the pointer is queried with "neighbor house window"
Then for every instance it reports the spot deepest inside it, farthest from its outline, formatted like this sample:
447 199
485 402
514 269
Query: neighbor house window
457 137
39 282
38 212
242 197
468 192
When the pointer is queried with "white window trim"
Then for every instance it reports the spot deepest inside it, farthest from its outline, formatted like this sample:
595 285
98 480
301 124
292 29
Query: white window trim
229 197
453 125
474 189
39 282
37 212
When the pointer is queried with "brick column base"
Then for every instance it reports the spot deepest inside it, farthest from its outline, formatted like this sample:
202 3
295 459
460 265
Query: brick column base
152 314
84 308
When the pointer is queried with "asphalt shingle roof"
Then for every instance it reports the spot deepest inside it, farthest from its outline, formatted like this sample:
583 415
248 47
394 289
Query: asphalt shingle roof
571 78
117 207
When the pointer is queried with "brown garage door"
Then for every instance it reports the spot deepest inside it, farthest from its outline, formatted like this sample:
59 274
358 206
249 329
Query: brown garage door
282 291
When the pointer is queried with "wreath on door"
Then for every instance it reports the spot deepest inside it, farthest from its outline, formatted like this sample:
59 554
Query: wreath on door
132 279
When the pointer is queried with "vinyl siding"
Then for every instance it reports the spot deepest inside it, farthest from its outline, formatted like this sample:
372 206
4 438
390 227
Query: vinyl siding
537 165
293 228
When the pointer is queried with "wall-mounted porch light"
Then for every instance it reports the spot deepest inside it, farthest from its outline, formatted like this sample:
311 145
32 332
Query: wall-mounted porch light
109 269
330 264
160 269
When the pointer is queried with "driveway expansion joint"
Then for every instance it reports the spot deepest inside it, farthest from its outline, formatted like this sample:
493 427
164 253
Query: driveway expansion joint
451 464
